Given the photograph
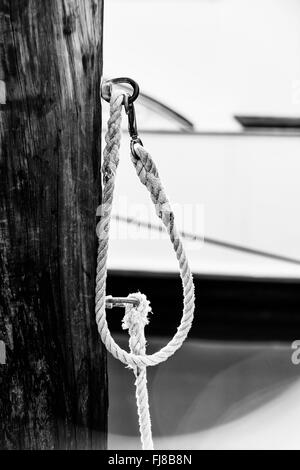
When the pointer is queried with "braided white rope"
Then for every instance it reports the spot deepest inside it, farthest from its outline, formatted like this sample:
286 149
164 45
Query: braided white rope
148 174
136 317
135 320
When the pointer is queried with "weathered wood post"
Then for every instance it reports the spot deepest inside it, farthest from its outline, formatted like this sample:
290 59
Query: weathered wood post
53 384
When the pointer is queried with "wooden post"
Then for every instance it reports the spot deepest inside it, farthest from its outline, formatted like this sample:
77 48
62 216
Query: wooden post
53 383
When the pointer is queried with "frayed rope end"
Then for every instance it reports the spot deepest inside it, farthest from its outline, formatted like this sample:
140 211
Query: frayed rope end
137 316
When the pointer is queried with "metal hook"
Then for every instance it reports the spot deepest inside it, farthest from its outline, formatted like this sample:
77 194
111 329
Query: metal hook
105 89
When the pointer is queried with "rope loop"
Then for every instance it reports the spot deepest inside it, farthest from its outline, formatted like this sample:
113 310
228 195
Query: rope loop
148 174
137 307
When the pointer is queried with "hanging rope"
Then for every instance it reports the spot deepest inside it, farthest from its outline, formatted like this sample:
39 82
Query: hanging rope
135 320
148 175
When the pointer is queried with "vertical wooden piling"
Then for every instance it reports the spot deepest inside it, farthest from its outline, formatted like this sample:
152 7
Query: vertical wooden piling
53 382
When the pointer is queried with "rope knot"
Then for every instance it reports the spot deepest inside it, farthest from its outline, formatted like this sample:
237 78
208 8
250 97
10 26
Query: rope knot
135 320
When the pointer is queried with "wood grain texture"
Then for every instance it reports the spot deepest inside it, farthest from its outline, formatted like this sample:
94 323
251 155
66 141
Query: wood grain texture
53 385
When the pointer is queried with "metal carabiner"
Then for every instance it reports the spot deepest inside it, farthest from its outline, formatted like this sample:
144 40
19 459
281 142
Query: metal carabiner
128 105
132 125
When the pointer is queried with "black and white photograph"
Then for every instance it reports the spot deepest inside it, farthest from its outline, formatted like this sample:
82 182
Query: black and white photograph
149 228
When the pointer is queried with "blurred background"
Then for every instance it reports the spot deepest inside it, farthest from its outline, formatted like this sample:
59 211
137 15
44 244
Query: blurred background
219 111
209 59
